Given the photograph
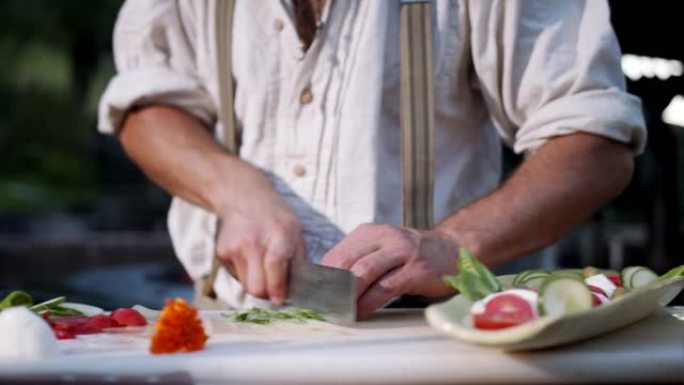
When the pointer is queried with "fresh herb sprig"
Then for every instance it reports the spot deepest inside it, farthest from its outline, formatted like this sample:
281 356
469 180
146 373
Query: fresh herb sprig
261 316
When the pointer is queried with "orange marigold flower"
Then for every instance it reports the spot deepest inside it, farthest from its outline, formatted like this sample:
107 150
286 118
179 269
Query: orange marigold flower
178 329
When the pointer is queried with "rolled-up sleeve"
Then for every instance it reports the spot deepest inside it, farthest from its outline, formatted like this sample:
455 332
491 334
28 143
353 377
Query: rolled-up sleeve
155 63
552 68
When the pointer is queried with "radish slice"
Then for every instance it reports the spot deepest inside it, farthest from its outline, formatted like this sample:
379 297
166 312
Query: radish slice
596 290
602 282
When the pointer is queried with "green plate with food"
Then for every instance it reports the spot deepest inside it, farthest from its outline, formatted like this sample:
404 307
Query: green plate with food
538 309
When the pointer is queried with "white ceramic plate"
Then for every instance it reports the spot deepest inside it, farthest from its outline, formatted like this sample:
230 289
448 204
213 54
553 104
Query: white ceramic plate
451 317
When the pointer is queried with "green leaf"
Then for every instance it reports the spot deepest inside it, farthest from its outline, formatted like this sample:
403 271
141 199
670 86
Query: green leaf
16 298
474 280
452 280
474 287
675 272
20 298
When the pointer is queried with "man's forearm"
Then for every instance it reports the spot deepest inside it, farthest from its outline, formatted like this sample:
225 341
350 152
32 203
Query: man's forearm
259 235
178 153
552 192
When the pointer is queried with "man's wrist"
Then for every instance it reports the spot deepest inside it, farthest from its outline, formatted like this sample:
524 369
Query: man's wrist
471 240
223 190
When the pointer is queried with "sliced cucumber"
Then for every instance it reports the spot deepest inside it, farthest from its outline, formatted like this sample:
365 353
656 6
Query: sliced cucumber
642 277
535 282
519 277
516 279
627 275
561 295
523 277
569 273
534 279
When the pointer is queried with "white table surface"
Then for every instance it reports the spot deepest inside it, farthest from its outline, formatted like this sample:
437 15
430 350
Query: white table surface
396 347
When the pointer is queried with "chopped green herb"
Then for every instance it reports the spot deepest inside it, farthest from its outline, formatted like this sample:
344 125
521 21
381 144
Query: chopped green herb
62 311
48 305
263 316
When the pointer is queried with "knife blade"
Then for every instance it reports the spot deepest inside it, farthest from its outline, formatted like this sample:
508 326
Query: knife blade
328 290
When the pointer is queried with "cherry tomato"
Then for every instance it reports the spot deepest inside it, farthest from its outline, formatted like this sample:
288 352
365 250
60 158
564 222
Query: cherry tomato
615 278
102 321
46 316
128 317
63 334
504 311
75 325
69 321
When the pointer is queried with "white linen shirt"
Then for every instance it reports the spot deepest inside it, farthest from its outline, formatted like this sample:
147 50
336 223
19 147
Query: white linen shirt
324 124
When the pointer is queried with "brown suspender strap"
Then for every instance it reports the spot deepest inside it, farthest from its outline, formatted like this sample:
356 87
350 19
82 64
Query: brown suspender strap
417 143
224 30
224 46
417 112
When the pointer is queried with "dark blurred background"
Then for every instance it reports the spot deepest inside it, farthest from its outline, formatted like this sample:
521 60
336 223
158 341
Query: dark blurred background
78 219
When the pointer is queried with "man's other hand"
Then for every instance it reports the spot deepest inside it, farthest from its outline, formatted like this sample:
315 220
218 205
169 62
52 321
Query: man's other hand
389 261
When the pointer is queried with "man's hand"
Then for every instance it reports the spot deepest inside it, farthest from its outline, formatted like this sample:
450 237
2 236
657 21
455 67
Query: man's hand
554 190
389 261
258 237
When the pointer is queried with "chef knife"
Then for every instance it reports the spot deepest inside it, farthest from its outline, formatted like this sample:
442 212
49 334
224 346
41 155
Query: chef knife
328 290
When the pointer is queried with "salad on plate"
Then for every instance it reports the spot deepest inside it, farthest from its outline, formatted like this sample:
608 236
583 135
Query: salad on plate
537 308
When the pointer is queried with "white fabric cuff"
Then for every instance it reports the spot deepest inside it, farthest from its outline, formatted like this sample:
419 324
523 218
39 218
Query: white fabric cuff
148 86
611 113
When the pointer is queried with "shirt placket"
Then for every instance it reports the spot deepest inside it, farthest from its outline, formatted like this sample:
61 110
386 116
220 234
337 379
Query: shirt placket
301 121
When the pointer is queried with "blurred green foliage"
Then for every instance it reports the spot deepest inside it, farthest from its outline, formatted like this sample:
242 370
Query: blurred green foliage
55 59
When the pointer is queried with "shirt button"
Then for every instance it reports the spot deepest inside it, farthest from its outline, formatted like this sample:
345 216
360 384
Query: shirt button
299 170
306 97
278 25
